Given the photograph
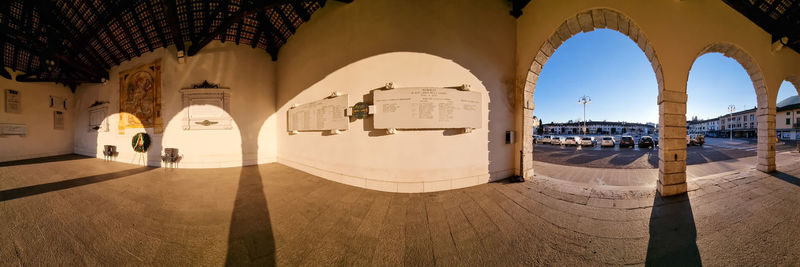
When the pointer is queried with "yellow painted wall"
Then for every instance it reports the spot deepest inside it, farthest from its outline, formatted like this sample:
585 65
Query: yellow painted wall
248 72
361 46
42 140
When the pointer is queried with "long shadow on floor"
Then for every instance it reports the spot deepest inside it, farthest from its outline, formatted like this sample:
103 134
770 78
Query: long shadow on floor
672 233
43 160
786 177
66 184
250 240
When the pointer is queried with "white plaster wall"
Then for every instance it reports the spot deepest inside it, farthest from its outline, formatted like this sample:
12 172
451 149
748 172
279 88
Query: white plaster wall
248 72
42 140
358 47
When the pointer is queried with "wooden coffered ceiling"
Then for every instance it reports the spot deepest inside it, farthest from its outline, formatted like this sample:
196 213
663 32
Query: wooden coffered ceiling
77 41
780 18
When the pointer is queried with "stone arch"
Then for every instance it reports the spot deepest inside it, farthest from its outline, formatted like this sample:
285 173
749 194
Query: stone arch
586 21
765 112
795 81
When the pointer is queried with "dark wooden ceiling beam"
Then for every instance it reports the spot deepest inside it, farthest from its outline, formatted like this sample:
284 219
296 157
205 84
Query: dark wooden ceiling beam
285 20
301 11
138 23
100 26
156 25
517 6
171 10
53 20
260 30
237 16
34 46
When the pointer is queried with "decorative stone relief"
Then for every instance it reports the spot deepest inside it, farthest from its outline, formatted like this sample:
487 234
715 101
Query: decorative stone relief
207 107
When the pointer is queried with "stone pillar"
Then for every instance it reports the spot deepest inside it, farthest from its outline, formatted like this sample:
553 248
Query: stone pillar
672 143
766 137
527 126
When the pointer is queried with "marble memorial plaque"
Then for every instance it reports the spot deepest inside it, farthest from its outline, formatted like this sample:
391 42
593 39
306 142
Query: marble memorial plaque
427 108
322 115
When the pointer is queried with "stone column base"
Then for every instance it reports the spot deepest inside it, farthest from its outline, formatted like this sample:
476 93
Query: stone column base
765 168
672 189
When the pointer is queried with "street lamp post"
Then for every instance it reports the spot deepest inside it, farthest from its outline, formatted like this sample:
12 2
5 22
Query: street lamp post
584 100
731 109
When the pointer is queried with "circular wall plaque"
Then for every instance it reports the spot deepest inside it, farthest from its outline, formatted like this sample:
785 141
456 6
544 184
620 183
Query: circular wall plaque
360 110
140 142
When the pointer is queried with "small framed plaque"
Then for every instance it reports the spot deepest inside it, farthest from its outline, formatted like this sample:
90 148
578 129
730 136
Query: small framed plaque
58 120
58 103
13 101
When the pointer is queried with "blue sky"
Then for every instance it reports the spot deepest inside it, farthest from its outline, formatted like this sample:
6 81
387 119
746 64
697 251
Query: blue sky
615 73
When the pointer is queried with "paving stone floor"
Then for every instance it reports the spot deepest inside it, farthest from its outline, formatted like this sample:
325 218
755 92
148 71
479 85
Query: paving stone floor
80 211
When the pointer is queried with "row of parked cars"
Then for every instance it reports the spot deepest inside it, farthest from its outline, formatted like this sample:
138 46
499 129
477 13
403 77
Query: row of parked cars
604 141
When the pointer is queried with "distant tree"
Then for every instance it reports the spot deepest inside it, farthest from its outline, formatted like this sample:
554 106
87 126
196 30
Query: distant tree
569 121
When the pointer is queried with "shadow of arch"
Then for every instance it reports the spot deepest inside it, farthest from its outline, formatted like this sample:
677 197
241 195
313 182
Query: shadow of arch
250 236
586 21
765 112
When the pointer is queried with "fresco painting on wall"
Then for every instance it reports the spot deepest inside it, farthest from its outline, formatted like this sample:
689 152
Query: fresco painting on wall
140 98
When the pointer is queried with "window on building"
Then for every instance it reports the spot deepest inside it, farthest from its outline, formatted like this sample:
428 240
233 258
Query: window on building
788 121
788 113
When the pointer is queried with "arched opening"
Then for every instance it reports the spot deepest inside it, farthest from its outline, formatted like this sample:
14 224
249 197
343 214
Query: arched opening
787 119
585 22
721 123
760 122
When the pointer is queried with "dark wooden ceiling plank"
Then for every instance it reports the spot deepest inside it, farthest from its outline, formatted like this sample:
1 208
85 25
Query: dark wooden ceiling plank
172 19
103 30
151 45
301 11
154 18
238 16
260 30
53 20
101 26
288 23
43 51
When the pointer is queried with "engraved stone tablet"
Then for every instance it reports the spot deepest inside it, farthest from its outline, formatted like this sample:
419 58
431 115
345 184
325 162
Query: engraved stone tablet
427 108
322 115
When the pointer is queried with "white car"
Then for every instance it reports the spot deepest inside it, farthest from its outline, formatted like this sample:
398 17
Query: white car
588 141
557 140
544 139
571 141
607 141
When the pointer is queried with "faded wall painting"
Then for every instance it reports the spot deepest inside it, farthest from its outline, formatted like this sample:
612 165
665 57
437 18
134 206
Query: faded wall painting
140 98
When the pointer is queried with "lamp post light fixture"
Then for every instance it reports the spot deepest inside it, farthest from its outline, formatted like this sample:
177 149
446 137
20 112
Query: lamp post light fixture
584 100
731 109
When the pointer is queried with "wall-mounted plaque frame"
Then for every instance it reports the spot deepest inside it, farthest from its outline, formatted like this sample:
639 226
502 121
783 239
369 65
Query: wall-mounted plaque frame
97 118
13 103
428 108
58 120
13 129
207 108
58 103
322 115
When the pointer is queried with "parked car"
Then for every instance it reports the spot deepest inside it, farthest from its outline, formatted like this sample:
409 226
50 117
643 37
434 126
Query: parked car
695 140
571 141
544 139
626 141
608 141
588 141
557 140
646 142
